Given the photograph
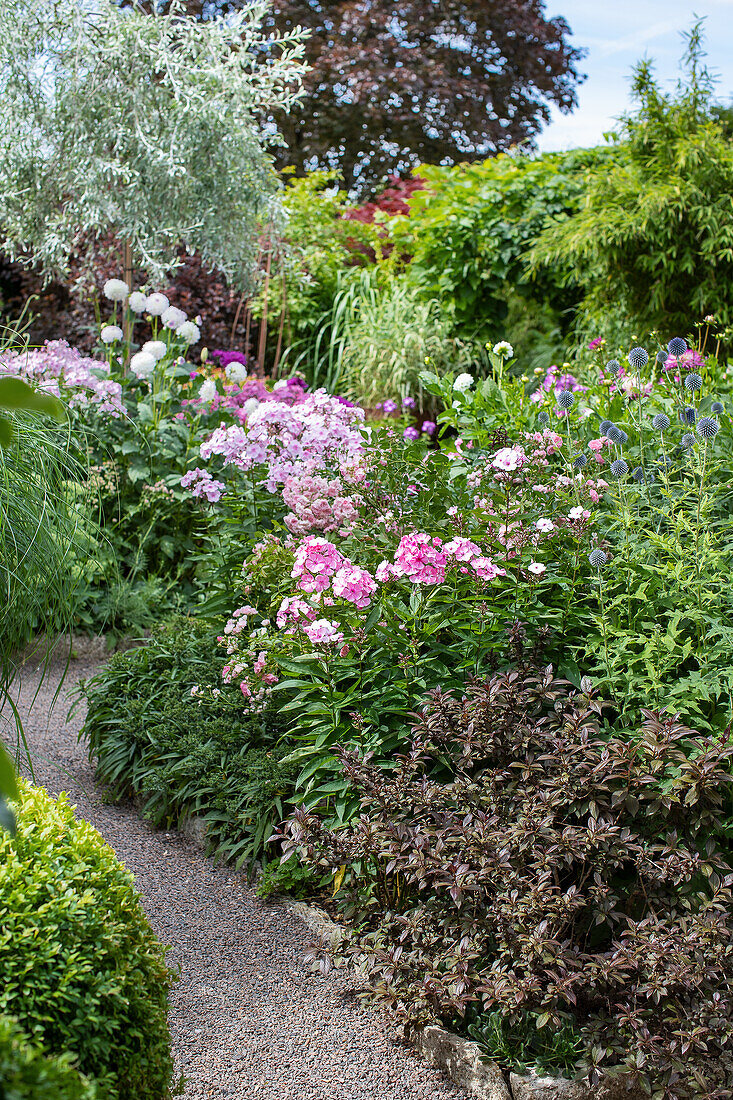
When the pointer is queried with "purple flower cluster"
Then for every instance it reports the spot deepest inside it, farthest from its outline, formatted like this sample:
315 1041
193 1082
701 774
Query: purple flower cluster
59 369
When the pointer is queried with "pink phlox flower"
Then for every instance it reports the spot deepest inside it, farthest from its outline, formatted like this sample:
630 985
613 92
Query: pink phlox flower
354 585
462 549
420 559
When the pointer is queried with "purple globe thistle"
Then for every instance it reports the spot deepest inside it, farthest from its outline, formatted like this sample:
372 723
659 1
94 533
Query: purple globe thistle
638 358
660 422
580 461
717 407
707 427
597 558
619 468
638 474
543 417
613 367
661 358
687 440
693 382
677 346
566 399
615 434
689 416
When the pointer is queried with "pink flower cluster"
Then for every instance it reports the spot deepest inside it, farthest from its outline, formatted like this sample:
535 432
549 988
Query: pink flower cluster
202 484
319 565
318 504
314 436
689 360
424 560
63 371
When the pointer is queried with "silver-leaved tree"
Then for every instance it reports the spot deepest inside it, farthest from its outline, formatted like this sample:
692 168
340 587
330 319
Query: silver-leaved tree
144 125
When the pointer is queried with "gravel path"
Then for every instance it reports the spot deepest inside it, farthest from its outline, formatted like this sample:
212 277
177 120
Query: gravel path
248 1019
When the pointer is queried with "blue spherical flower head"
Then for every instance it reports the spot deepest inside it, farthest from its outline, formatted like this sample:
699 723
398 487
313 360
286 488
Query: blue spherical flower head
687 440
638 358
604 426
717 407
580 461
615 434
638 474
624 438
613 367
543 417
707 427
661 358
693 382
597 558
566 399
660 422
689 415
677 346
619 468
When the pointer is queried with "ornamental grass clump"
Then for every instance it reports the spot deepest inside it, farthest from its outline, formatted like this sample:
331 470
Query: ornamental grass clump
515 861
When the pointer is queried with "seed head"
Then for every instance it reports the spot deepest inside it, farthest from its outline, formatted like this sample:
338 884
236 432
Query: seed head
619 468
677 346
613 367
660 422
693 382
707 427
638 357
597 558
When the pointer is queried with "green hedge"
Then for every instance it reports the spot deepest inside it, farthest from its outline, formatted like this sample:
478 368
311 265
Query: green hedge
82 971
26 1073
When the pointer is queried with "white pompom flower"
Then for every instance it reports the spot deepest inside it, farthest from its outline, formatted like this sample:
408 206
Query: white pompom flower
138 301
280 384
173 317
208 390
156 348
142 364
250 405
236 372
189 331
463 382
503 348
156 304
110 333
116 290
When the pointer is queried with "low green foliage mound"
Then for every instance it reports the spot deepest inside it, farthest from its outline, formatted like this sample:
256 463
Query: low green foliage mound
162 726
26 1073
83 972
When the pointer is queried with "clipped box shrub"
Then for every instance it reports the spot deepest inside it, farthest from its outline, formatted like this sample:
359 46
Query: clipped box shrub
565 894
26 1073
82 971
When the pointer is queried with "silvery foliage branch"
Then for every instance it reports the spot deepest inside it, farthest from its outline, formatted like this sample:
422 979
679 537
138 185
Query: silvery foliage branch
146 125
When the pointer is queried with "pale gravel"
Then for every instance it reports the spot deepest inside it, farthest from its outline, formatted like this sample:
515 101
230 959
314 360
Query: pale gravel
248 1018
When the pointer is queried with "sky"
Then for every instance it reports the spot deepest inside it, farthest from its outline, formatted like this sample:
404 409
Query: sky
616 34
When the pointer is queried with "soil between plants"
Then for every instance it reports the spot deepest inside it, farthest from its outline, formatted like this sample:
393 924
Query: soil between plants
248 1019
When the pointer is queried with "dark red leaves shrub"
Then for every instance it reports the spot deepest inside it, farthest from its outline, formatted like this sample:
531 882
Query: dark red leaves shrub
517 860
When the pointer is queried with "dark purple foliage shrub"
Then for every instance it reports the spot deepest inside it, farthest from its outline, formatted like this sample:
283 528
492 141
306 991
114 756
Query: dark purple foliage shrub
516 860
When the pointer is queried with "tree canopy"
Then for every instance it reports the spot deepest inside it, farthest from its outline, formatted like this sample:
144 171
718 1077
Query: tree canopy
146 125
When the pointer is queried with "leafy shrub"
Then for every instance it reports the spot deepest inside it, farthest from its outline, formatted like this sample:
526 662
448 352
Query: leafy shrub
515 860
26 1073
162 726
654 233
286 876
83 972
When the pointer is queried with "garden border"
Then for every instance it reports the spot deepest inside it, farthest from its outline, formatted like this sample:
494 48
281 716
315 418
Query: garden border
458 1058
